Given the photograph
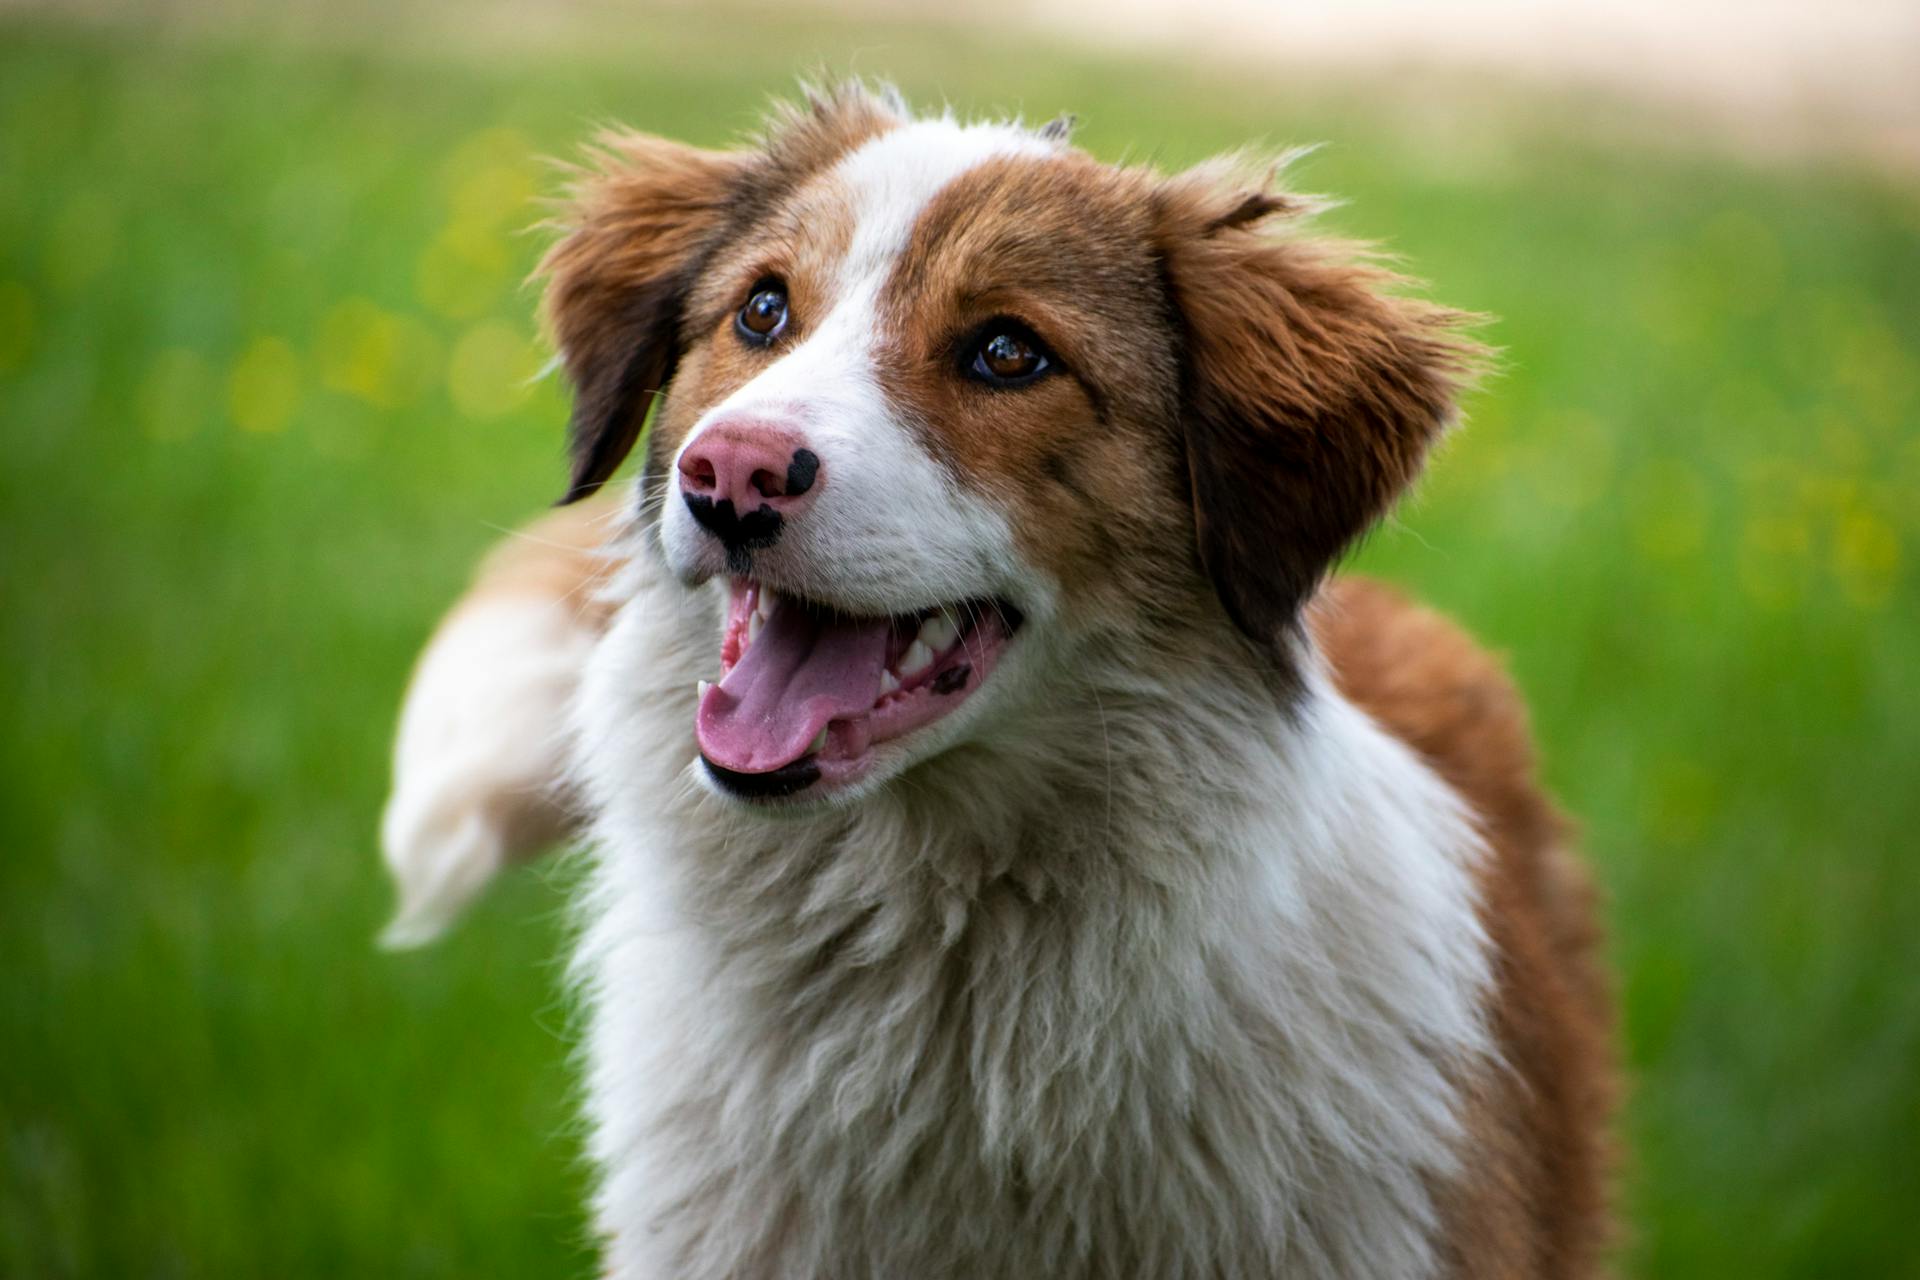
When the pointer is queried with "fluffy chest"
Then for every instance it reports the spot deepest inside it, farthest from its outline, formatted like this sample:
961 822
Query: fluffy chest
970 1080
1173 1031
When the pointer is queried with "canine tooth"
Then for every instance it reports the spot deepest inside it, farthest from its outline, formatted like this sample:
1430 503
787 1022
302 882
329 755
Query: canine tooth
819 742
938 633
700 688
916 659
888 684
754 623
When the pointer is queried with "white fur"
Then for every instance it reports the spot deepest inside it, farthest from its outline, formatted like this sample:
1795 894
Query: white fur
1160 982
1131 970
890 529
479 759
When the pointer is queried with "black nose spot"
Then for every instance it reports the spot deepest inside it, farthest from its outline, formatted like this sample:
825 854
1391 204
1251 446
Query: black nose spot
757 528
801 471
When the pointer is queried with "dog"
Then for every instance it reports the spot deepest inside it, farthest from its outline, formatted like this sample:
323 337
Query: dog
1012 852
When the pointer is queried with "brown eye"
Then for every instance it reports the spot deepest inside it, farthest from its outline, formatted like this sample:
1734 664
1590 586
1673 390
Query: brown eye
1008 357
765 314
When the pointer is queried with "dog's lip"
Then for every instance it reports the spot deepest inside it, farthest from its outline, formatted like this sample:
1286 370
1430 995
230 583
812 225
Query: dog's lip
917 685
775 784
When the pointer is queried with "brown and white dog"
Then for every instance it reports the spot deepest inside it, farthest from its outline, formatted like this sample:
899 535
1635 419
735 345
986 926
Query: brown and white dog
1055 878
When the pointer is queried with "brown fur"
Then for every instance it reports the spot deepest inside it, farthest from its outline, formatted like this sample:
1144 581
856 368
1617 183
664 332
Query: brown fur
1536 1204
1235 402
640 226
799 241
1294 366
557 557
638 234
1536 1201
1312 396
1061 244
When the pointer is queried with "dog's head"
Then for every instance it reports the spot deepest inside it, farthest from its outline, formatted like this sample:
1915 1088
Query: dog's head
948 407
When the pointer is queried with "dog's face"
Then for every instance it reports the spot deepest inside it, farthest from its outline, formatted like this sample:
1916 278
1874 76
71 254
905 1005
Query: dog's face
947 408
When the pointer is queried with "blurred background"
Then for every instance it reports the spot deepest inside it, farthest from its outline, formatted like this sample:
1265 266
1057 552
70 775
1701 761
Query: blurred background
266 380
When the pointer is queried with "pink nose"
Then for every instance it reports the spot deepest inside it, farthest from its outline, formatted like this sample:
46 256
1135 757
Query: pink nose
741 479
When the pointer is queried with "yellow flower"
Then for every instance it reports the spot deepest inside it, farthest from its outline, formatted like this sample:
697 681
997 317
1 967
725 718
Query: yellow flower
1866 558
491 370
263 388
382 357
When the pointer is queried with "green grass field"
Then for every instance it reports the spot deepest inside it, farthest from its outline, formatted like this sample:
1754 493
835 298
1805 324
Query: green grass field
263 361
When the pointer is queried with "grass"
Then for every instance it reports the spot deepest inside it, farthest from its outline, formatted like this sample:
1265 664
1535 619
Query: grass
262 362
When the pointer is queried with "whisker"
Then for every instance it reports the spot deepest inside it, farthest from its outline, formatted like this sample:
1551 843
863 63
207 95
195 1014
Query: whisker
523 536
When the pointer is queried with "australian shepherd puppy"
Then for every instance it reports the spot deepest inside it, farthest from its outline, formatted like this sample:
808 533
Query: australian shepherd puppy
1010 857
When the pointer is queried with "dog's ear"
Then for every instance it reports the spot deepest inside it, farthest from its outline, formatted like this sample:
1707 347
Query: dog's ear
1310 394
639 224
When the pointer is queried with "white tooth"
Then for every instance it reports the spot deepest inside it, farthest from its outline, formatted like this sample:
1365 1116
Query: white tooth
754 624
938 633
819 742
700 687
916 659
888 684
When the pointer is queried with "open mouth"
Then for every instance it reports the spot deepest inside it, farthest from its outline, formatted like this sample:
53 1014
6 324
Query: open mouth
806 693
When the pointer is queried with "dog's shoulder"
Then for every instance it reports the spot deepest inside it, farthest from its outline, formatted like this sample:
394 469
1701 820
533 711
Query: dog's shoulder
1430 684
561 557
1423 679
1427 682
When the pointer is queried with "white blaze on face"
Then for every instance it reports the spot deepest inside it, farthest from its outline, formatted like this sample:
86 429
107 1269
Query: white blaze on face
890 530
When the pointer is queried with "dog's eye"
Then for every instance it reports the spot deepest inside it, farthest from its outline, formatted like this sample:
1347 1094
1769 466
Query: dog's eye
765 314
1008 356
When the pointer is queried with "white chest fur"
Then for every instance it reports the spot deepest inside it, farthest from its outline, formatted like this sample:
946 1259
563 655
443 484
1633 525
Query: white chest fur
1186 1011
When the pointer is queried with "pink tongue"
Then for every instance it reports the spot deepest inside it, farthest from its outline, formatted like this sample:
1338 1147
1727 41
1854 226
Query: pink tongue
800 673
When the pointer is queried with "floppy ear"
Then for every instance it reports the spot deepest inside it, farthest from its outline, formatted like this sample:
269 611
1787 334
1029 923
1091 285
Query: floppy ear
1310 396
639 225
